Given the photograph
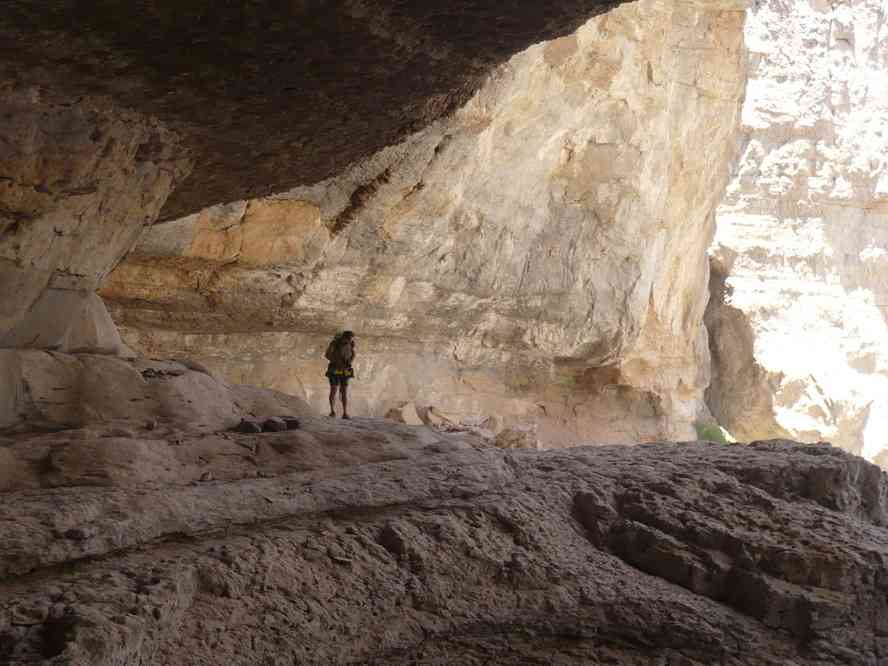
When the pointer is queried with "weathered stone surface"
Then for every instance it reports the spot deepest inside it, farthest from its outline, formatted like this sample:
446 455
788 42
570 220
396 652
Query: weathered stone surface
518 437
539 255
268 95
55 391
274 424
427 551
66 320
79 179
405 413
799 334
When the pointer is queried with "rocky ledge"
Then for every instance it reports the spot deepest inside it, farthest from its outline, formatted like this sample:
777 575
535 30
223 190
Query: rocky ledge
374 542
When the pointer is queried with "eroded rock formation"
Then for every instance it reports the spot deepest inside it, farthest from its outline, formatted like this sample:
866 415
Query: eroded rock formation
79 178
798 317
369 542
539 255
269 95
104 114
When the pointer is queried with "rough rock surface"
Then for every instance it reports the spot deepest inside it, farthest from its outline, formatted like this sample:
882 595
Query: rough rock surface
370 542
103 112
539 255
54 391
268 95
798 317
79 179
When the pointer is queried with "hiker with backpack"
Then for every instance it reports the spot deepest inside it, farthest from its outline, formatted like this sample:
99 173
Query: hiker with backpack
341 354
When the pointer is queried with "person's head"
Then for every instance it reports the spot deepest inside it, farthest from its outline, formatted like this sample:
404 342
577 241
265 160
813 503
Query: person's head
348 335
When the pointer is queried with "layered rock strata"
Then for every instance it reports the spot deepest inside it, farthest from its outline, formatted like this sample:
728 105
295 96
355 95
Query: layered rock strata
101 111
797 319
539 255
367 542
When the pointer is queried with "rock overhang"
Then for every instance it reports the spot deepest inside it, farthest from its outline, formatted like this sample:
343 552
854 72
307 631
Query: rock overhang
269 95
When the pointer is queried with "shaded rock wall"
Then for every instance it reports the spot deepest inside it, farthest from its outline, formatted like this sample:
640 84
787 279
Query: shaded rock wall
803 232
268 95
103 105
540 254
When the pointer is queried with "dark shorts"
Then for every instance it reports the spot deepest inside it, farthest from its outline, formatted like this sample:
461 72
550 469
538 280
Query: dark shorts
340 377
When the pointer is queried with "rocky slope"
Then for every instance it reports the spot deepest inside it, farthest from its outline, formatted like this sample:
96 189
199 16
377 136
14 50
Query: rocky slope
539 256
798 316
367 542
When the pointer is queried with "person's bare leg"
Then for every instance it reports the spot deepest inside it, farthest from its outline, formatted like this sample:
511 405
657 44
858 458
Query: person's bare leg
333 400
343 393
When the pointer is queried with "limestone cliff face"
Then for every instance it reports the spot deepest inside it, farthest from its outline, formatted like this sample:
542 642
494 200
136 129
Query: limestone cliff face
798 316
539 255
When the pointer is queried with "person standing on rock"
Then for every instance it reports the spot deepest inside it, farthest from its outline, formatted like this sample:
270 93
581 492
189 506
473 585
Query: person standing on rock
341 355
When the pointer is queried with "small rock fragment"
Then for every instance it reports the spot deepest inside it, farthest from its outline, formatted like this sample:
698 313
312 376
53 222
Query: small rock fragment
248 426
405 413
76 534
26 615
518 437
292 422
274 424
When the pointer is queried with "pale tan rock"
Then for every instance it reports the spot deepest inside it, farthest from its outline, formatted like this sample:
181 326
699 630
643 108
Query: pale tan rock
259 232
518 437
405 413
553 227
68 321
799 323
110 461
81 178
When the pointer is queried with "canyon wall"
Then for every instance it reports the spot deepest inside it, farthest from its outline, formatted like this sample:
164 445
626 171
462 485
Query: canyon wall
798 316
109 121
78 180
536 258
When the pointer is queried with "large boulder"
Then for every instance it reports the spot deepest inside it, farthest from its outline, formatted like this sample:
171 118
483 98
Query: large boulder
54 391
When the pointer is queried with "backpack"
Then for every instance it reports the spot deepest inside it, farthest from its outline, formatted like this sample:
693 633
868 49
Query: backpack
336 352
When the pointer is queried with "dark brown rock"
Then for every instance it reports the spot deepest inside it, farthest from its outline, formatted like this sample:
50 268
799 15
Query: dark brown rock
772 553
291 422
269 95
274 424
248 426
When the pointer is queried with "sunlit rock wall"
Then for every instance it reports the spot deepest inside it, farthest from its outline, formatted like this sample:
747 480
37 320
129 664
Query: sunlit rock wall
539 256
798 319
